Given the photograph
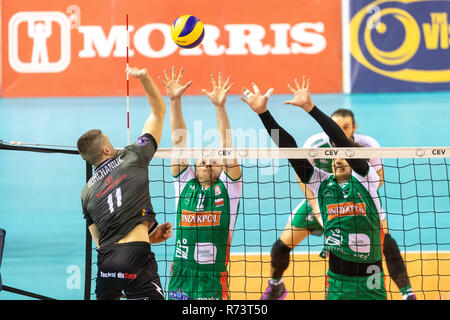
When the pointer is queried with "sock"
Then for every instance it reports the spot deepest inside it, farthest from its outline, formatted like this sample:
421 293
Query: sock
407 292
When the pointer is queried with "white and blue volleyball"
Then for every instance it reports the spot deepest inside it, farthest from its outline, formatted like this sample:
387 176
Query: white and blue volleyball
187 31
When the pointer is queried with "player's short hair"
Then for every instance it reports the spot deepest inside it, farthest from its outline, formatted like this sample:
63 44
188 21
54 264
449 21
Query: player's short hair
344 113
90 145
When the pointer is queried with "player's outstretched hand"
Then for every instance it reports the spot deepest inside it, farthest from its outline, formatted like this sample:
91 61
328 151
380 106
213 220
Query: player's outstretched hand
161 233
302 96
137 73
173 85
256 100
218 95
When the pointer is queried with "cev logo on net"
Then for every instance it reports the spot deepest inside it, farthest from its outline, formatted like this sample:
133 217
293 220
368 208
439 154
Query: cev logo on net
244 39
435 35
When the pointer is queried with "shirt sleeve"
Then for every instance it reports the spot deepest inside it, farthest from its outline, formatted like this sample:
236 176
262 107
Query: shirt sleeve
181 180
86 215
234 187
316 179
146 147
370 181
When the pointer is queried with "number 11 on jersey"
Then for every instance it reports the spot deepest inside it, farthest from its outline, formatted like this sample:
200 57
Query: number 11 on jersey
118 200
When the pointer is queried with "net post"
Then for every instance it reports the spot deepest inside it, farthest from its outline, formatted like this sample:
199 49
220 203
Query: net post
88 249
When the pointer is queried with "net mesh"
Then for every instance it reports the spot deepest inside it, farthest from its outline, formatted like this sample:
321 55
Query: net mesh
414 197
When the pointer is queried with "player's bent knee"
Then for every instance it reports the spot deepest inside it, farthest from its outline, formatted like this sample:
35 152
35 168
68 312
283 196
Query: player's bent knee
280 258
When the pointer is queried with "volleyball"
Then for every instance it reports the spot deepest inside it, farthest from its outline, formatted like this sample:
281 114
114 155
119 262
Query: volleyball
187 31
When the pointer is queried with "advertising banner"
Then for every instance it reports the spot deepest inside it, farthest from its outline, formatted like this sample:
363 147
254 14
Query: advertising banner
79 47
400 45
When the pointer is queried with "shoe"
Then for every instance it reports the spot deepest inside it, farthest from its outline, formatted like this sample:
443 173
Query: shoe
275 291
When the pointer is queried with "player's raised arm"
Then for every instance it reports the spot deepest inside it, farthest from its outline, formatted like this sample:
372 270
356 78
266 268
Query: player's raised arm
175 90
154 123
258 103
218 97
302 98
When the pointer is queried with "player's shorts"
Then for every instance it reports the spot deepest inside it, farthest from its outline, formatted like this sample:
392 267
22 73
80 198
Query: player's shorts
191 284
128 267
303 218
350 281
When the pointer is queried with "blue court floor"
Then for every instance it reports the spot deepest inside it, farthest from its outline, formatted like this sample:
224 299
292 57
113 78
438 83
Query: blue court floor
40 193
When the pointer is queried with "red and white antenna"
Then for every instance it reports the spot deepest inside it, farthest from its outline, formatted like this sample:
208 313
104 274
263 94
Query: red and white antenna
128 89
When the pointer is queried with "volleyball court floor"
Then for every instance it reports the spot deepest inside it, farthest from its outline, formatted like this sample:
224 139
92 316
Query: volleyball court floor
40 193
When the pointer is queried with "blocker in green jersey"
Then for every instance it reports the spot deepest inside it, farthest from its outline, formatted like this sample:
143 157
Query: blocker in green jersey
348 202
207 203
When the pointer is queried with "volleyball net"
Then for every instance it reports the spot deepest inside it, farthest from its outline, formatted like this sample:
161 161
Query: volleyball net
414 197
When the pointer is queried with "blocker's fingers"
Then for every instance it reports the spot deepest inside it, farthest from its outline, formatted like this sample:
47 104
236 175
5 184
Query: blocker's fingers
180 75
246 101
268 93
220 79
247 92
229 88
213 80
308 84
226 82
167 76
162 81
173 72
297 83
290 88
255 87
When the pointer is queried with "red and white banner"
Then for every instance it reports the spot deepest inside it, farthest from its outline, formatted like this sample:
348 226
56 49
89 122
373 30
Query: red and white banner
79 47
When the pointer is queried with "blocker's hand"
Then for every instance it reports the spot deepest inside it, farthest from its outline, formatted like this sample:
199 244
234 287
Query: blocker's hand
218 95
302 96
173 85
256 100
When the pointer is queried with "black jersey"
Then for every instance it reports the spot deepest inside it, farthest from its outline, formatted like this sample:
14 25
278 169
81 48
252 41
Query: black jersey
117 197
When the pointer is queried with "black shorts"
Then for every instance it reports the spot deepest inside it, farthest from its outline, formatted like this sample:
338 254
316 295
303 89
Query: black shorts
128 267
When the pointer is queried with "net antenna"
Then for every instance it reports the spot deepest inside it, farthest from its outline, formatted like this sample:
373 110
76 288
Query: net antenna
128 85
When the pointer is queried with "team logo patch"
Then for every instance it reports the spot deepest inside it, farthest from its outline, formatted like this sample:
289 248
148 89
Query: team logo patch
217 190
142 141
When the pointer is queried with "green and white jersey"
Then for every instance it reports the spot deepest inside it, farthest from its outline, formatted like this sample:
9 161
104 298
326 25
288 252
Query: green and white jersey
205 220
350 213
321 140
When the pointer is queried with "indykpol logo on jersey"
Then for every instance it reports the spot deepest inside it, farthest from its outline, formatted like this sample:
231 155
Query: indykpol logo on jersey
402 45
63 41
200 219
346 209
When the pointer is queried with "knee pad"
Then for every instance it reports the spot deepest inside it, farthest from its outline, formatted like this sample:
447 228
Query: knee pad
280 258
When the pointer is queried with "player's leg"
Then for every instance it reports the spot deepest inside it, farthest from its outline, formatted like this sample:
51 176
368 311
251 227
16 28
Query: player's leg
395 263
301 224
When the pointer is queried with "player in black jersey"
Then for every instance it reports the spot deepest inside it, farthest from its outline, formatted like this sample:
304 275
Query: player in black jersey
116 204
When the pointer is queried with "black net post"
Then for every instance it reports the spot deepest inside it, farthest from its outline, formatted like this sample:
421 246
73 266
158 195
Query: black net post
88 249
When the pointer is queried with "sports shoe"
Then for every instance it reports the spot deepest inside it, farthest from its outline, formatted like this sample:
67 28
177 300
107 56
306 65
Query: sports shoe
275 291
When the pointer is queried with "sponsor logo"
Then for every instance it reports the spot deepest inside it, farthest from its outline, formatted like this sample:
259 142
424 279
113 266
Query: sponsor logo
44 28
205 253
178 295
217 190
200 219
40 27
345 209
402 39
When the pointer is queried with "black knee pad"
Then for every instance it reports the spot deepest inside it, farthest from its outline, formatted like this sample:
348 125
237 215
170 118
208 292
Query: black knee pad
280 258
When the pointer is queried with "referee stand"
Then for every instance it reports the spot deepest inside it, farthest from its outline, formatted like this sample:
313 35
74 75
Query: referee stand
10 289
